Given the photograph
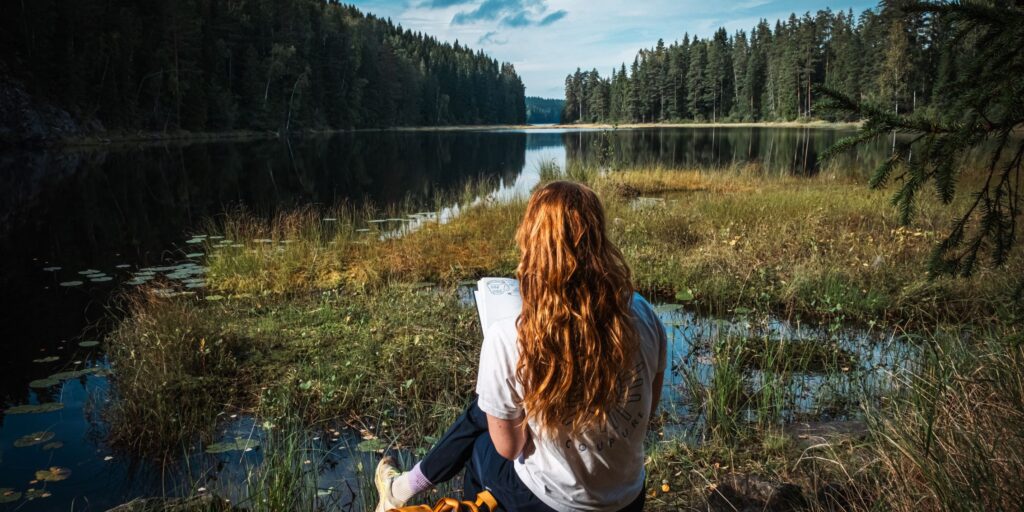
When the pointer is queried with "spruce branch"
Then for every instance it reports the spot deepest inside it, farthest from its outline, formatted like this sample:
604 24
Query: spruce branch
984 123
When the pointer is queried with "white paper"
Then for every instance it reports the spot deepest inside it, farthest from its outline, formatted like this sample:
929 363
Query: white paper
497 298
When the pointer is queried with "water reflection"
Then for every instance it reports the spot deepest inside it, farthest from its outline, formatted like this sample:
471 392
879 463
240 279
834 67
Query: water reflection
793 151
114 211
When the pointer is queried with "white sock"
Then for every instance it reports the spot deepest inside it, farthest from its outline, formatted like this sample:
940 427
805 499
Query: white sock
409 484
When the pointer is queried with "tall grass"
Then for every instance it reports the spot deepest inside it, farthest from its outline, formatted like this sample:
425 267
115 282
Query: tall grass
288 476
364 328
175 370
398 355
954 438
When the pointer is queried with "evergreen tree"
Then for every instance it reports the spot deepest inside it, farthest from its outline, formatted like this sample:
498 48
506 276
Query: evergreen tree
986 101
258 64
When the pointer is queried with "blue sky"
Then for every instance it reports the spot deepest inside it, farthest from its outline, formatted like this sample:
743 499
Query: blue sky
548 39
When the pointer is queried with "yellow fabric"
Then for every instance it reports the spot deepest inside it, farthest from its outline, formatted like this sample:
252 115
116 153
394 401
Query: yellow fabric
485 502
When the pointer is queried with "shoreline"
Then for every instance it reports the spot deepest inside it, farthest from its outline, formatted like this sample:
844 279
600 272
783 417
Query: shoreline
145 139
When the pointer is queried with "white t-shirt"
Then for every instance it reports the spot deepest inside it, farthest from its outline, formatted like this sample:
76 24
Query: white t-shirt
599 470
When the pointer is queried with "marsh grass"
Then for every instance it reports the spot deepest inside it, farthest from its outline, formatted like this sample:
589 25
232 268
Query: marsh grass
287 478
175 371
822 246
398 356
951 440
365 328
759 383
298 252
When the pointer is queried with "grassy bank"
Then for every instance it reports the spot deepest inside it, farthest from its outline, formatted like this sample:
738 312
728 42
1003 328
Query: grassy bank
365 328
822 246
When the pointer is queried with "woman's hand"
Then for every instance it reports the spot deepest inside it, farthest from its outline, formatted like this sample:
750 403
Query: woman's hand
509 436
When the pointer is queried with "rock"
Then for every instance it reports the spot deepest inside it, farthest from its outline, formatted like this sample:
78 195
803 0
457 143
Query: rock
750 492
27 120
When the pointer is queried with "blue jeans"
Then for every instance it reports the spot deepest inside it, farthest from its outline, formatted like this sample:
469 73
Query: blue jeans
467 445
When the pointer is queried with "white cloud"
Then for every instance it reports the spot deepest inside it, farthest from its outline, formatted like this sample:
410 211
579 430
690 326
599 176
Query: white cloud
590 34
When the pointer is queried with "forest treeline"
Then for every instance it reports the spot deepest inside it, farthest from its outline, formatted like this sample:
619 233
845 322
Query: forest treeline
544 110
886 56
248 64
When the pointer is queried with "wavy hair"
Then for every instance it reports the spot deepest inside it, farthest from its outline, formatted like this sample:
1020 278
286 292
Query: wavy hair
575 332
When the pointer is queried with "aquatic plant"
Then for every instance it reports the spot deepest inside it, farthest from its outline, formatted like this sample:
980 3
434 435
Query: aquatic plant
35 408
238 444
8 495
53 474
33 439
333 310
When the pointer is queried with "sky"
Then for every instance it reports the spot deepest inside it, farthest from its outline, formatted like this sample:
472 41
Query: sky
548 39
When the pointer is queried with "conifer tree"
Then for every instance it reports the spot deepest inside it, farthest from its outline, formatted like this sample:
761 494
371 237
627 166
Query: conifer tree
981 129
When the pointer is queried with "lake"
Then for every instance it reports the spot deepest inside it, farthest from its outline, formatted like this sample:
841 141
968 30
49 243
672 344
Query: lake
81 225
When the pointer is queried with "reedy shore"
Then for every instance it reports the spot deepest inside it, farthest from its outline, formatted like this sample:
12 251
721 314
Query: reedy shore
368 330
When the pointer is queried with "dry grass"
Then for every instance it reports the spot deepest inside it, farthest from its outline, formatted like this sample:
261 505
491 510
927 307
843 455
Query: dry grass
335 315
818 246
821 246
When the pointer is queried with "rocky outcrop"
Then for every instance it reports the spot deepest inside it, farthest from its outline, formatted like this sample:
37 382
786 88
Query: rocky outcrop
26 120
751 493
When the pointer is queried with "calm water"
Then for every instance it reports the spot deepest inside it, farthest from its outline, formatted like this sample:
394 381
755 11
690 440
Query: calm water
99 217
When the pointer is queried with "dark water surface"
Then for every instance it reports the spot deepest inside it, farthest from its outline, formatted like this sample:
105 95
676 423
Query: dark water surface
78 226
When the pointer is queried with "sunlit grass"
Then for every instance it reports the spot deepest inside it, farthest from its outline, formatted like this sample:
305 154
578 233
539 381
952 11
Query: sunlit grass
362 322
398 356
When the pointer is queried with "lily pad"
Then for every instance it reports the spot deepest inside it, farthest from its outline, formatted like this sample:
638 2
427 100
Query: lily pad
684 295
8 495
74 374
43 383
47 359
35 408
87 344
89 272
54 474
71 284
102 279
53 446
35 494
123 265
51 269
194 255
196 285
33 439
239 444
374 445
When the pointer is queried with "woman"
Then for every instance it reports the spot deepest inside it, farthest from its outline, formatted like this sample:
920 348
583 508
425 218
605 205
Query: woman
565 391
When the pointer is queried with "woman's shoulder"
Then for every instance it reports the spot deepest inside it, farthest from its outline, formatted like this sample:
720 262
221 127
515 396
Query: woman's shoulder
641 306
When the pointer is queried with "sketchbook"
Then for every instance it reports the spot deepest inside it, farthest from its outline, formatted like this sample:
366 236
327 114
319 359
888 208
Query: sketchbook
497 298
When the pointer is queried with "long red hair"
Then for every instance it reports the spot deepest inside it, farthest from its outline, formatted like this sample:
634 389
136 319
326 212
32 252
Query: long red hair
575 332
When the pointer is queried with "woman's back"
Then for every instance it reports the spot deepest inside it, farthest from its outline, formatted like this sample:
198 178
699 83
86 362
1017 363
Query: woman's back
600 468
566 389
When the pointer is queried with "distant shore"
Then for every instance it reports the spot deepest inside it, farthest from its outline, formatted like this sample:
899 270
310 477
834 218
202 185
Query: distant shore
760 124
186 137
628 126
